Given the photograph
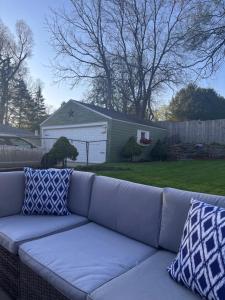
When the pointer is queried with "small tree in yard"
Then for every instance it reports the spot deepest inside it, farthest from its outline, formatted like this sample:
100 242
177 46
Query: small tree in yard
61 150
131 149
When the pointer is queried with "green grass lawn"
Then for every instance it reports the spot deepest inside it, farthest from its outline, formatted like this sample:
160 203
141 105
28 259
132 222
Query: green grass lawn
200 176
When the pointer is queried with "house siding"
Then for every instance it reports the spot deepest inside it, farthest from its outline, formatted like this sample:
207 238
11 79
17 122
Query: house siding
121 131
80 115
109 141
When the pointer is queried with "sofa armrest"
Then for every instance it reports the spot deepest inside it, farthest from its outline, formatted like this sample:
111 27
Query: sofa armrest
11 193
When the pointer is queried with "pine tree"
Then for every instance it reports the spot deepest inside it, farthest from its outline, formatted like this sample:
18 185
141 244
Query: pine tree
21 105
39 107
26 108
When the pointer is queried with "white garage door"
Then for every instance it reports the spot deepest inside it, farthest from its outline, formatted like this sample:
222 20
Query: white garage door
95 134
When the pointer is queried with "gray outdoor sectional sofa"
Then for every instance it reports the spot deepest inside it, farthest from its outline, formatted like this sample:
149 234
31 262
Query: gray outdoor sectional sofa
116 244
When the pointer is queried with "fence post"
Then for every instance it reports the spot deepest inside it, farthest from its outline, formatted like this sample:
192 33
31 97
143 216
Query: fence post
87 153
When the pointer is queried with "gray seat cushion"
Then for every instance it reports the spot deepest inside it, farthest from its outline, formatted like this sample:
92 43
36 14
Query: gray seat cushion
148 281
17 229
129 208
80 260
80 192
176 204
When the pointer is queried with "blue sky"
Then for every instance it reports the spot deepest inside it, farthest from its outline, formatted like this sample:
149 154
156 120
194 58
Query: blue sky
34 13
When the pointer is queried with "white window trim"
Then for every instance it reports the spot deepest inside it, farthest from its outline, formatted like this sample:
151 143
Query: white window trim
147 136
75 125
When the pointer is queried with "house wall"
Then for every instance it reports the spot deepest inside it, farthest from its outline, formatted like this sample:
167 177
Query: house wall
121 131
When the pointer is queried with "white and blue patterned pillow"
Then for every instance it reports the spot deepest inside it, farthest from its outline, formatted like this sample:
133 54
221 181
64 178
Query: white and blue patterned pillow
46 192
200 263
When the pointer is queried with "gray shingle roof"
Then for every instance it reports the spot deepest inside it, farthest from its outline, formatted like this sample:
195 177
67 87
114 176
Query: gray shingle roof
117 115
7 129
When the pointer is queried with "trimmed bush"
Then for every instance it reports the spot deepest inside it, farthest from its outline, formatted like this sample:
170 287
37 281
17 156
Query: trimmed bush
61 150
131 149
159 151
48 161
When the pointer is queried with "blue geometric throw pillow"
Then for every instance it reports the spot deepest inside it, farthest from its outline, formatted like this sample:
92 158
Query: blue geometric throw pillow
200 263
46 192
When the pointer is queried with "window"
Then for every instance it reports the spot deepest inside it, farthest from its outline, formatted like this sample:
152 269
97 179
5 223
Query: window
142 135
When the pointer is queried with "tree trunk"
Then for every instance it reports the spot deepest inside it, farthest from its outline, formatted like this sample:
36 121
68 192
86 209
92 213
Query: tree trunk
137 110
109 92
2 110
2 113
3 102
124 109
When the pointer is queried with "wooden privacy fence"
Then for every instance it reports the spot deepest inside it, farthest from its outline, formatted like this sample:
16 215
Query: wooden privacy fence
206 132
12 154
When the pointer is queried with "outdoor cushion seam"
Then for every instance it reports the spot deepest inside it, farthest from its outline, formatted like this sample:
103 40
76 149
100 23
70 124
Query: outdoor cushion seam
90 193
132 267
18 243
84 222
161 218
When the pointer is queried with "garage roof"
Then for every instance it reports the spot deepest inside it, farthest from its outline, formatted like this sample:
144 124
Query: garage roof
116 115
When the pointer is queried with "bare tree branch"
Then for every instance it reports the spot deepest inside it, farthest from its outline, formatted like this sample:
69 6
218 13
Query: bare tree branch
134 48
14 51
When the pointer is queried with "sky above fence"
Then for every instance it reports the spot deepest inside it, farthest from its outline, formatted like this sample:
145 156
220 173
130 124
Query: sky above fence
34 13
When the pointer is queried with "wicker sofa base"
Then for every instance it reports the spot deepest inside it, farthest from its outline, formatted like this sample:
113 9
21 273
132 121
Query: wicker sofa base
34 287
9 273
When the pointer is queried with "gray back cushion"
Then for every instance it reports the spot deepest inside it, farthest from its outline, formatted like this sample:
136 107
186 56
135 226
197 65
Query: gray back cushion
80 192
176 205
128 208
11 193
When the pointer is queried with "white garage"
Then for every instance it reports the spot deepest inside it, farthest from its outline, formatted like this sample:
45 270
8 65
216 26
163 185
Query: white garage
93 133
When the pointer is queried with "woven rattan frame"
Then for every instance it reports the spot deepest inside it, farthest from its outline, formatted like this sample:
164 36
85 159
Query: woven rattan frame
9 273
34 287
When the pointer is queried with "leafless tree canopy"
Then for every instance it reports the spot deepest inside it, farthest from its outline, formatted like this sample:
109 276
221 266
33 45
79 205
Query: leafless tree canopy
130 49
14 50
206 37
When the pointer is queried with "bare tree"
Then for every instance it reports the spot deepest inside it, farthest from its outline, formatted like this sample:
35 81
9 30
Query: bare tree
206 36
132 48
79 36
13 54
150 39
